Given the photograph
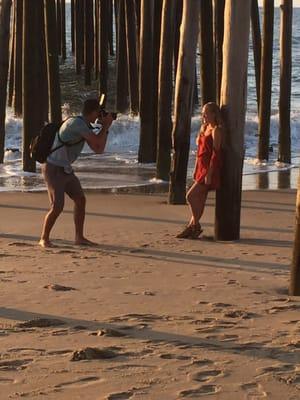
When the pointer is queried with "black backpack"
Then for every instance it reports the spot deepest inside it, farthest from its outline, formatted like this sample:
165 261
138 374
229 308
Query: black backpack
41 145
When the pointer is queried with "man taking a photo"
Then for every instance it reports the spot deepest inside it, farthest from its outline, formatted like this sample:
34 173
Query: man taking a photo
58 173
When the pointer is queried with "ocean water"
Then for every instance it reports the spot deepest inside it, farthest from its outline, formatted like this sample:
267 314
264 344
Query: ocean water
118 168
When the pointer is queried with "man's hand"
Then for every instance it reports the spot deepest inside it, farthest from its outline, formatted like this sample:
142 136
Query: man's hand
106 120
97 142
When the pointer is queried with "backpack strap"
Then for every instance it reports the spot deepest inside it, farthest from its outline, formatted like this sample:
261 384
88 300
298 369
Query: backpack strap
66 143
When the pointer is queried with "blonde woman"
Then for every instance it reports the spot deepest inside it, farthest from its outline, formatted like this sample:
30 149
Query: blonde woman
207 167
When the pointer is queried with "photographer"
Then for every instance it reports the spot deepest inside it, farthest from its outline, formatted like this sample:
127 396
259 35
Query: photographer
58 172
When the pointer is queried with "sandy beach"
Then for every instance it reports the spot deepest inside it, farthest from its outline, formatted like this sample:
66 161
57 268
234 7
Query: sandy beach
144 315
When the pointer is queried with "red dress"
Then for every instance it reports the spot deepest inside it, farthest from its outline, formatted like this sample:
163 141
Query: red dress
207 157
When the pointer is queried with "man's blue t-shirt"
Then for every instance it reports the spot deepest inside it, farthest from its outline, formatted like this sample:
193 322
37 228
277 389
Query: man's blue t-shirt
72 130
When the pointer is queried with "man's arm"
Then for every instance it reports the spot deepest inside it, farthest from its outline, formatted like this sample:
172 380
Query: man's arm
97 142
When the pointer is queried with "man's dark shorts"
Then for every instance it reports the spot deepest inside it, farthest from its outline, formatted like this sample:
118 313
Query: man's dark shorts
58 183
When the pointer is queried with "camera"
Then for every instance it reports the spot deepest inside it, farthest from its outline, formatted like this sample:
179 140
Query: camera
103 112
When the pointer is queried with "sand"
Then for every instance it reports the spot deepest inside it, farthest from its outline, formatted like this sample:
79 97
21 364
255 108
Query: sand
144 315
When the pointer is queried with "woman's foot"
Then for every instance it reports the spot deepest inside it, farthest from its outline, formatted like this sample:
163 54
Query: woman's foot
190 232
197 230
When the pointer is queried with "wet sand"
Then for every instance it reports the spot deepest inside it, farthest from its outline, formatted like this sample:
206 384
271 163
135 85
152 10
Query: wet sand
144 315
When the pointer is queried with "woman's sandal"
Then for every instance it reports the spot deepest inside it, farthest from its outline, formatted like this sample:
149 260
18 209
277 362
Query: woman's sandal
197 230
190 232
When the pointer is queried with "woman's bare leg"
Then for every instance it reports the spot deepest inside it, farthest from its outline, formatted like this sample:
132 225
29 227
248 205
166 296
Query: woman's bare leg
196 198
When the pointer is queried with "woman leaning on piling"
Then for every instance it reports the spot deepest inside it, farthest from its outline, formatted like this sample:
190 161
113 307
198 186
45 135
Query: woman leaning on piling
207 167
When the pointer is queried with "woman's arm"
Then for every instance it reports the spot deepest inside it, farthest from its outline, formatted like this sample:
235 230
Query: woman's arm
217 138
217 142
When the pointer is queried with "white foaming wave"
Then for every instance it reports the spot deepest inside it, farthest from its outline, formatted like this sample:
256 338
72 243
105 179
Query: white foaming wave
13 128
158 181
124 134
122 148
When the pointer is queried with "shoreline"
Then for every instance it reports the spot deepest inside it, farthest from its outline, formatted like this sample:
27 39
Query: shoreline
271 180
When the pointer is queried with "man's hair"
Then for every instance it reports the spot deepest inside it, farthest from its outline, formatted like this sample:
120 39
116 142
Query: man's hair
90 105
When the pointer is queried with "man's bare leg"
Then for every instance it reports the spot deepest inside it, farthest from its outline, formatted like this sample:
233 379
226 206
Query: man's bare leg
49 222
79 218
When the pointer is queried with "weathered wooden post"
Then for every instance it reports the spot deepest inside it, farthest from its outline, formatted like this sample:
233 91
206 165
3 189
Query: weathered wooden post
58 25
165 91
131 37
122 69
284 149
88 41
32 77
183 100
137 8
97 38
110 27
147 153
266 81
18 55
5 12
52 61
103 43
63 30
233 103
43 70
79 34
256 43
73 26
295 270
208 77
219 6
178 20
155 66
11 67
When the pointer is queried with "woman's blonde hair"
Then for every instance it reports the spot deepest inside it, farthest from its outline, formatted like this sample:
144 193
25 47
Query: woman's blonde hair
215 109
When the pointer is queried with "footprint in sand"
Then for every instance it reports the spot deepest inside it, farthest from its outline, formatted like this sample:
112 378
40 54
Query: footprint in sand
20 244
253 391
169 356
108 332
59 288
199 287
120 396
206 376
275 369
14 365
138 317
239 314
202 363
6 381
82 382
40 323
223 338
203 390
220 305
26 351
59 352
277 309
203 302
2 255
90 353
232 282
64 252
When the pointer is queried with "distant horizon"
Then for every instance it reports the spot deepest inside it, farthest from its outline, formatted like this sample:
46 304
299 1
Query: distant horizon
296 3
